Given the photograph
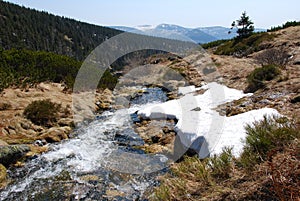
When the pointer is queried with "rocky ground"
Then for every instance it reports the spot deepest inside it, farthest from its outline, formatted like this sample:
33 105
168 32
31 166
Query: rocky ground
282 93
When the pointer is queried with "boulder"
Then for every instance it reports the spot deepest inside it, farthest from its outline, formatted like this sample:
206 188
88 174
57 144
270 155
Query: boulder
56 134
11 153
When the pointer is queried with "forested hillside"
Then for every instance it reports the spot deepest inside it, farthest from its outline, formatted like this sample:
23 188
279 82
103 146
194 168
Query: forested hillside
22 67
21 27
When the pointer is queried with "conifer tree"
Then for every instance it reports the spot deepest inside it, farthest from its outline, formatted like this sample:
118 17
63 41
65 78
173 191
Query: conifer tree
244 26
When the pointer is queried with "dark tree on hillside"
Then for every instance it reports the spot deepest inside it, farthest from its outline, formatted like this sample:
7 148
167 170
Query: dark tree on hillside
244 25
24 28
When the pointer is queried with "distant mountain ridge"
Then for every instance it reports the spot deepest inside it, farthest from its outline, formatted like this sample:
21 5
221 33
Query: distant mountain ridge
198 35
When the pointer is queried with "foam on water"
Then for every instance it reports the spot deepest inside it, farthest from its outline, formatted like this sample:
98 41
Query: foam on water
92 150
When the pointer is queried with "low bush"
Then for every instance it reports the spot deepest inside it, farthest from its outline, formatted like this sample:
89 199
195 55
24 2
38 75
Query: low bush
195 177
24 67
274 56
221 166
213 44
241 47
21 67
256 79
42 112
272 133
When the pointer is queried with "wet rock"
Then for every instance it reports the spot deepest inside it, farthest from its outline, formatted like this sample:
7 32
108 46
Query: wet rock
121 102
11 153
135 118
173 85
128 137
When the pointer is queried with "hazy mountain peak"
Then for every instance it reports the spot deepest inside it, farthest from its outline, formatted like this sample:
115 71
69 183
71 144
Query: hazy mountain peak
144 27
172 31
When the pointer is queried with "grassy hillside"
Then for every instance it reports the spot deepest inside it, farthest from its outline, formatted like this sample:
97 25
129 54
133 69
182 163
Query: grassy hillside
22 67
25 67
21 27
241 47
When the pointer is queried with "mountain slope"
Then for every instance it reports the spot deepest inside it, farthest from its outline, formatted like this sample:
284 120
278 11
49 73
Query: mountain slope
218 32
27 28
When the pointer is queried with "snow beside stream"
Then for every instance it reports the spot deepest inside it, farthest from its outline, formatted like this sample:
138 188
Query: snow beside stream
197 117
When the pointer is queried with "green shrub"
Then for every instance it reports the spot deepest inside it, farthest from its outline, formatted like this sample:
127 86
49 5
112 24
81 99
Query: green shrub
274 56
221 165
42 112
193 176
108 80
286 25
256 79
244 46
213 44
22 67
193 166
265 136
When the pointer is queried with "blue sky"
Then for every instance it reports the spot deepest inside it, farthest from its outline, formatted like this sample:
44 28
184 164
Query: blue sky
188 13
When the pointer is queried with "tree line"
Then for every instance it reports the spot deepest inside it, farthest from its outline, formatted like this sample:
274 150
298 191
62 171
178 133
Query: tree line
22 27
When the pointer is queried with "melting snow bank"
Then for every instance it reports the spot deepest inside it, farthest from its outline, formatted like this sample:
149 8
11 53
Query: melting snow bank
199 126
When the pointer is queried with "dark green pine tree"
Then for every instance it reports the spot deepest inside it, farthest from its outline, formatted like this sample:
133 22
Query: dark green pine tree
244 26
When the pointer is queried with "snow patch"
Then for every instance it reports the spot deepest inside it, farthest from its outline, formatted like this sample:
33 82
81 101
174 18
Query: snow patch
218 131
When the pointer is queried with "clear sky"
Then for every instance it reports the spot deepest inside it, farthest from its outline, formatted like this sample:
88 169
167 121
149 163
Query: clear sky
188 13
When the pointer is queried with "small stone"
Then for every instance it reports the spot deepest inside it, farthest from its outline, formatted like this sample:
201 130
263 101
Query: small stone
197 109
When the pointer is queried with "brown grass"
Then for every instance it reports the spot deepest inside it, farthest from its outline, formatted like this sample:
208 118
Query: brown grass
223 177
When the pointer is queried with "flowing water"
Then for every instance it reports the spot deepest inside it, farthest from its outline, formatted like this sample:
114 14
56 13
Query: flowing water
99 163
